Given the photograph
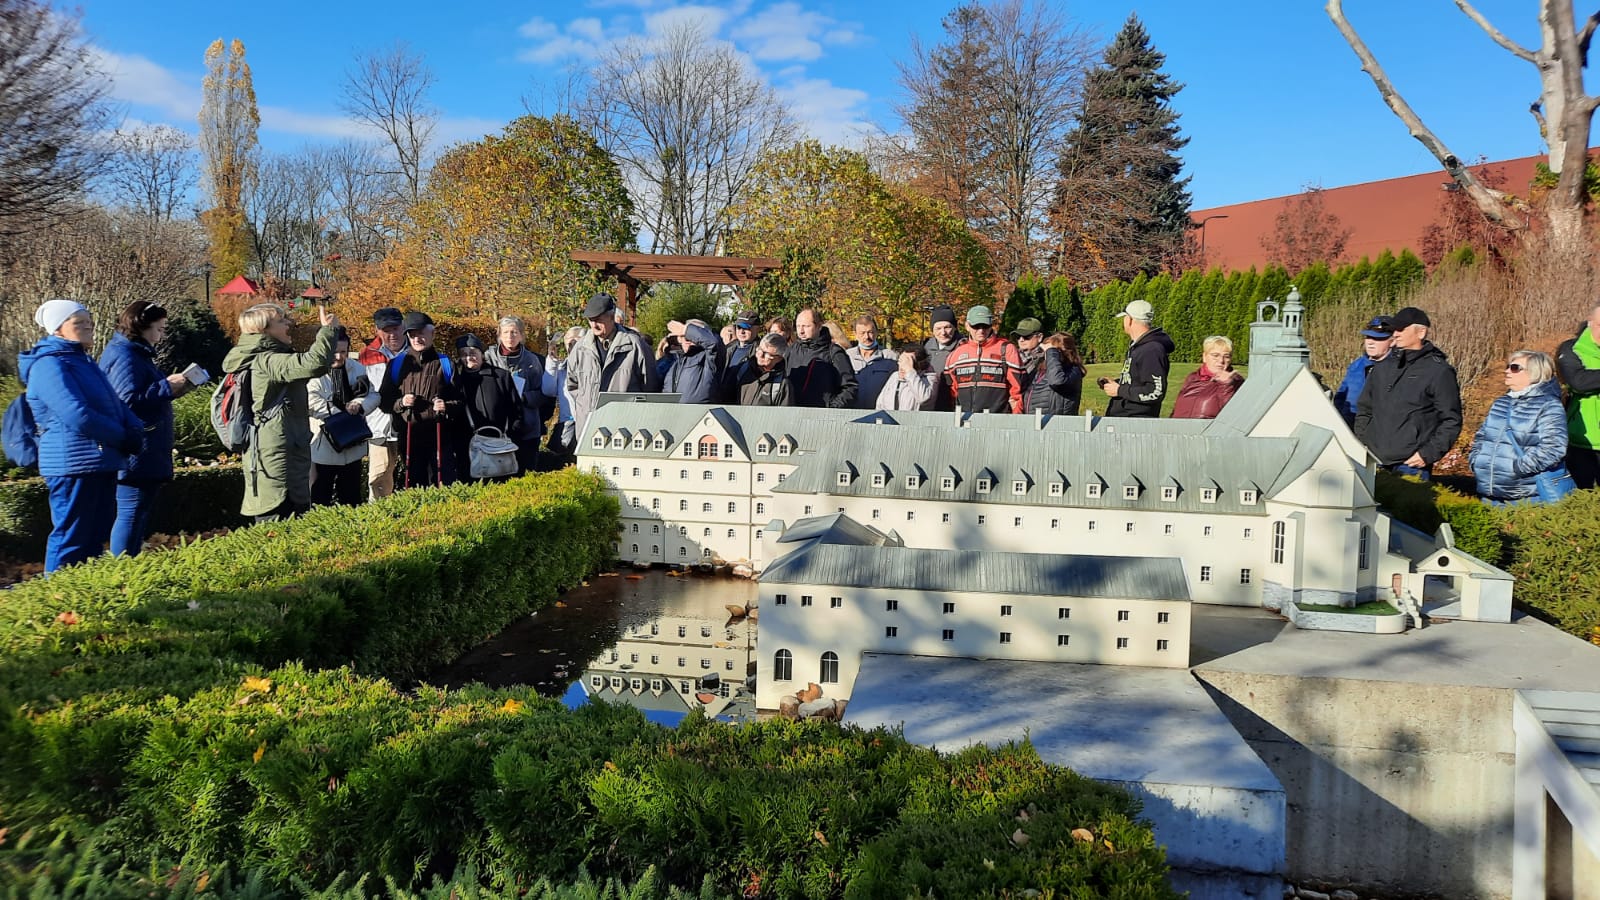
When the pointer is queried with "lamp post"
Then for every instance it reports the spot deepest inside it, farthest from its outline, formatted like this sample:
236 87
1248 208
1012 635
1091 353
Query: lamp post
1202 226
206 270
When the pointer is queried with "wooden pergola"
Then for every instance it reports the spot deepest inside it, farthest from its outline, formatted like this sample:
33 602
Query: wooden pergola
631 270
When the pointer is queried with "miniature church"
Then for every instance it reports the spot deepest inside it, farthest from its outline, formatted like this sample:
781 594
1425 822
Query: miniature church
1061 538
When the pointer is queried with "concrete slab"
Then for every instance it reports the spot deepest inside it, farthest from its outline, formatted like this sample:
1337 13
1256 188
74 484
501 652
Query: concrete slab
1525 654
1218 809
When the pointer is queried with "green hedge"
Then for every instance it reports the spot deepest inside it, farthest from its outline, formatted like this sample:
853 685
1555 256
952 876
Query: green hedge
1425 505
192 434
199 498
176 705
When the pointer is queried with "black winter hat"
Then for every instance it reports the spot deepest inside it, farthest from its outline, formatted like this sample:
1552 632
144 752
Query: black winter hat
415 321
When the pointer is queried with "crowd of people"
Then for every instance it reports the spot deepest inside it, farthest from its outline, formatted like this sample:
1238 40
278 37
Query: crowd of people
336 424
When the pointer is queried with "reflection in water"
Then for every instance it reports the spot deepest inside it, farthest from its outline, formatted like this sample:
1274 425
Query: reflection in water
664 643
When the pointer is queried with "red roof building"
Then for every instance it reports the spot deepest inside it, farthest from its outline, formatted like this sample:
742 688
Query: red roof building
240 286
1381 215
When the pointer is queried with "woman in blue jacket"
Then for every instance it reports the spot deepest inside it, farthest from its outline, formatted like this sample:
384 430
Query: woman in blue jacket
1524 434
86 432
129 363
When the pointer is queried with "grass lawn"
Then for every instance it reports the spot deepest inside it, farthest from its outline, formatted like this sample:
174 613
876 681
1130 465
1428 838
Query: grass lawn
1375 608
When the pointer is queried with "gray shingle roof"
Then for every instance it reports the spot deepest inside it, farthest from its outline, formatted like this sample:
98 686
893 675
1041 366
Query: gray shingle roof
1027 574
837 528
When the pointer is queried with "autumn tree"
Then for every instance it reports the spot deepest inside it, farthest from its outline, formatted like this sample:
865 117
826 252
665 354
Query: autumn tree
151 170
228 124
1305 232
1120 206
52 115
688 119
1563 112
1459 223
499 217
987 110
871 247
388 90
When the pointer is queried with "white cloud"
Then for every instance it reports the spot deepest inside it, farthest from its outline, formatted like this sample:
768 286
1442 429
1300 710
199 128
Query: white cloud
784 31
580 39
711 18
829 113
289 121
139 82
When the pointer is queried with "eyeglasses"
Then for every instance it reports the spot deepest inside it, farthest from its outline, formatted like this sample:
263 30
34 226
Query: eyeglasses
1515 367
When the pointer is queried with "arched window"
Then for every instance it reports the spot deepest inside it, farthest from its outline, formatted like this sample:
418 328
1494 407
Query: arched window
783 666
708 447
830 668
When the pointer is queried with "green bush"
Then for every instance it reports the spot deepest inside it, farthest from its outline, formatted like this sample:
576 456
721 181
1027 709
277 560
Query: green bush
1479 528
1553 558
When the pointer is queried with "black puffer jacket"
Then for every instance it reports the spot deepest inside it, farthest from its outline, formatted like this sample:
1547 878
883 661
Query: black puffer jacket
1056 386
820 373
1411 404
1143 382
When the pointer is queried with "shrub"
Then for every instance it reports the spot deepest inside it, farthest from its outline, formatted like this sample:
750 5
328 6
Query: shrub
1424 505
1552 556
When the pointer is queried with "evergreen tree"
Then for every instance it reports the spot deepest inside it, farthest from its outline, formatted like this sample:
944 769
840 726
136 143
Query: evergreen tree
1120 207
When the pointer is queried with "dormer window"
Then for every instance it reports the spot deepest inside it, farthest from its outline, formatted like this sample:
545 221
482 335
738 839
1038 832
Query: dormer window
877 479
843 478
1169 493
638 442
1019 487
660 443
947 483
1208 495
762 446
913 482
599 442
785 447
984 485
1092 490
1057 488
617 442
1247 497
1130 492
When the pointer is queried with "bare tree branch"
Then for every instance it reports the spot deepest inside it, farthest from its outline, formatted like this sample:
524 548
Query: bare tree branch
1494 33
1586 36
388 90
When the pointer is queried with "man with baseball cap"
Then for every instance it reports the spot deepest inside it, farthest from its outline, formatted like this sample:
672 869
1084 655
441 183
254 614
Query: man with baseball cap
1375 339
745 330
611 357
985 373
1139 390
1029 336
1409 412
383 450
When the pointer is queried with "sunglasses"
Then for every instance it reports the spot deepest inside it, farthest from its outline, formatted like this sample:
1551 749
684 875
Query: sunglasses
1515 367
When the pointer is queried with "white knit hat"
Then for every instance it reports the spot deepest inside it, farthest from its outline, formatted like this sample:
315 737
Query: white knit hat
52 313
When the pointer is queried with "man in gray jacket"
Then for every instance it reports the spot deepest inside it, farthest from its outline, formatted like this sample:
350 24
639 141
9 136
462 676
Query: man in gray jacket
611 357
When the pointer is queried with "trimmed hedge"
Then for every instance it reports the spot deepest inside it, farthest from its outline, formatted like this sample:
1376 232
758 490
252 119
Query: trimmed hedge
172 705
1424 505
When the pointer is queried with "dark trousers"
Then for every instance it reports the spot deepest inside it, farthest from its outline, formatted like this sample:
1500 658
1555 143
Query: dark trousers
288 509
1584 464
345 485
425 462
135 501
82 508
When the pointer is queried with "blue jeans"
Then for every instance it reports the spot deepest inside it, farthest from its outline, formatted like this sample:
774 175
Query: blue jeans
1403 469
82 508
135 500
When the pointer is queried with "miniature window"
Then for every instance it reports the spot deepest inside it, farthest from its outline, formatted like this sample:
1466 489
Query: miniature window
1249 533
835 602
783 666
1124 615
656 685
1169 493
1016 521
1248 498
1093 490
808 509
949 608
633 657
655 473
911 515
1019 487
706 533
655 502
683 531
705 662
636 528
982 519
1208 495
761 478
830 668
732 534
1161 643
1205 531
655 549
1063 612
877 514
727 665
683 474
634 502
638 442
781 599
983 485
1005 637
683 687
805 599
1122 643
733 507
683 551
1057 489
785 448
877 479
1005 610
782 476
890 631
617 443
891 605
1163 618
599 442
762 446
761 509
616 470
688 448
912 483
733 476
705 507
947 483
1055 523
1130 492
708 447
1128 528
1279 539
598 681
1244 576
635 549
659 443
843 479
1167 528
727 451
636 471
1063 640
758 534
1205 573
948 634
944 517
1362 559
707 475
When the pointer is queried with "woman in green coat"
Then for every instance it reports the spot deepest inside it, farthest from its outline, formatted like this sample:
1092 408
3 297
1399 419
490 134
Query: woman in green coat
277 465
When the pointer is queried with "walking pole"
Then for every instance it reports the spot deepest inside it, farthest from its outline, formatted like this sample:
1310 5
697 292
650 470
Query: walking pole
438 451
408 455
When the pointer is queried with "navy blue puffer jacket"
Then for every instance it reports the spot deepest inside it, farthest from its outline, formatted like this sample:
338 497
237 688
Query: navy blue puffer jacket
1521 437
84 426
131 368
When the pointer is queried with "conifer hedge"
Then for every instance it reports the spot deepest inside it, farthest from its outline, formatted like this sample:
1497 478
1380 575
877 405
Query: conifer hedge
239 702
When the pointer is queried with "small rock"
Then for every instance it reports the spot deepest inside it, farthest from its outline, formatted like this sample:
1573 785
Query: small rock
816 709
1309 894
744 571
789 706
1345 895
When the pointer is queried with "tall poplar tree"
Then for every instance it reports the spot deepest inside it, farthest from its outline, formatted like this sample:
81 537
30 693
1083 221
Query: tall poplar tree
228 124
1121 207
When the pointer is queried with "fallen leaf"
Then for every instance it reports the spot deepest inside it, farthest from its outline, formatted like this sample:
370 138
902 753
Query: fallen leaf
1109 847
820 839
67 618
989 864
194 604
512 705
1082 834
1019 838
560 604
201 882
257 683
260 752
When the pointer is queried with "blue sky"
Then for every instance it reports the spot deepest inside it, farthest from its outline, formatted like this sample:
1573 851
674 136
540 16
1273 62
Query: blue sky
1274 99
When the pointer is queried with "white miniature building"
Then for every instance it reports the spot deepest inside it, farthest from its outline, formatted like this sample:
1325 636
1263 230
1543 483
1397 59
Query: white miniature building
1270 502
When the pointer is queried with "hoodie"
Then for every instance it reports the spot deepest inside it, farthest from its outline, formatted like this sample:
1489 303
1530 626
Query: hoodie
1143 383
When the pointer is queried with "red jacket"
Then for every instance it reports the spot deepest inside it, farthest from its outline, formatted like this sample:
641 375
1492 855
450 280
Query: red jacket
986 376
1202 396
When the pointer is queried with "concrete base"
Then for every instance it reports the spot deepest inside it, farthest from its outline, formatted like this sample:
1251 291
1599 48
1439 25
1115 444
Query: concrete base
1216 807
1397 754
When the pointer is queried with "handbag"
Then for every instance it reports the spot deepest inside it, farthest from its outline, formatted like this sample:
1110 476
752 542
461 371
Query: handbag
345 430
490 454
1553 484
